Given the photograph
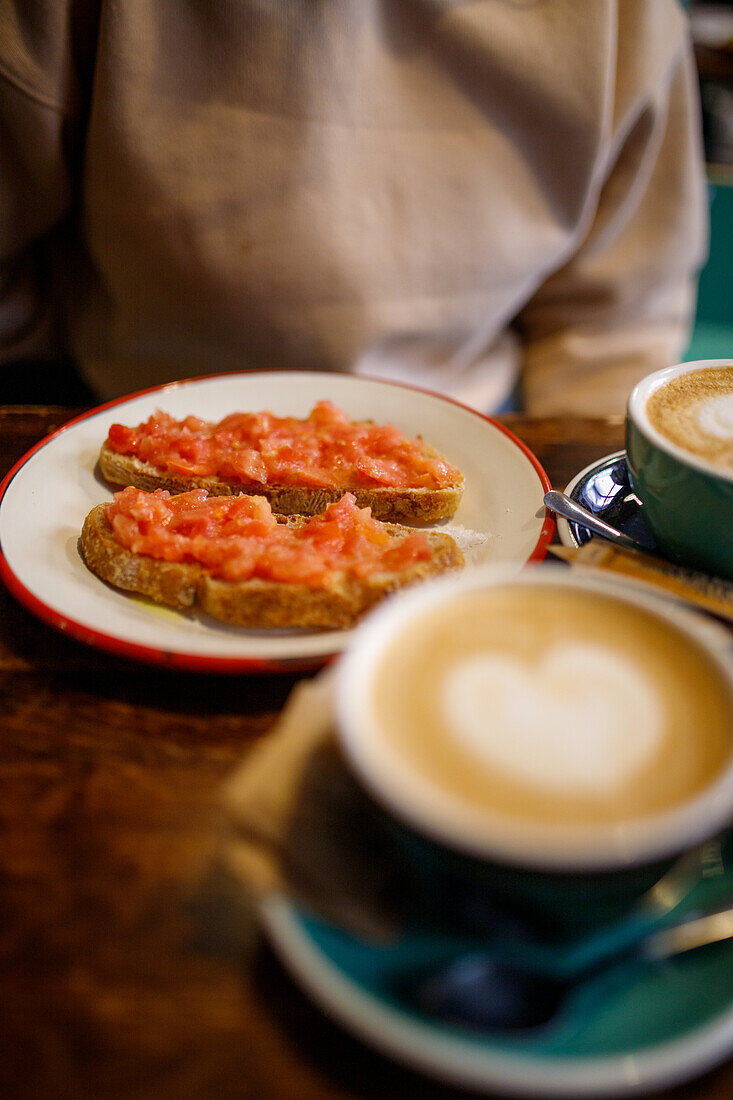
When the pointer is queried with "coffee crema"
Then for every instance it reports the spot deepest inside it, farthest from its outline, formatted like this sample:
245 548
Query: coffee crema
695 411
552 706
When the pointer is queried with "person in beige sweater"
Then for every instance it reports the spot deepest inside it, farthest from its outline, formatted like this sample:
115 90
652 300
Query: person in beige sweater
453 193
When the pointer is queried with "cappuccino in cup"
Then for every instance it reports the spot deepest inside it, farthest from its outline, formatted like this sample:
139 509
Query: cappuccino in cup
545 720
695 411
679 455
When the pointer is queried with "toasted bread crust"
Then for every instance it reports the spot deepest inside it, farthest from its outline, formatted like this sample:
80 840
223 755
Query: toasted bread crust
413 506
254 603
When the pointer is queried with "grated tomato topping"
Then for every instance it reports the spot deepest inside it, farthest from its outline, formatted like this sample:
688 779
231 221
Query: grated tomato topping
238 538
326 450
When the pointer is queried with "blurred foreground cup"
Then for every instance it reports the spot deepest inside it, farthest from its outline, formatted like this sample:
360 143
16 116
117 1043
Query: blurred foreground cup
561 737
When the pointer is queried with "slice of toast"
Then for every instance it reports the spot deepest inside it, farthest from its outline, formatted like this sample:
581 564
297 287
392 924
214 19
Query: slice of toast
255 603
299 465
411 506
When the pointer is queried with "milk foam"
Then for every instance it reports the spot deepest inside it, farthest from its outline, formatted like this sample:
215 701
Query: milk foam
715 417
695 412
582 721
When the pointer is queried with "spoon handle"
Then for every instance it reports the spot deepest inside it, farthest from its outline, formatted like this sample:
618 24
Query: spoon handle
711 928
561 504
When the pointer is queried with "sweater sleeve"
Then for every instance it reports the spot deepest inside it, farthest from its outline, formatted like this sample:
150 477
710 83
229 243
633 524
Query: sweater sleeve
34 196
622 304
42 45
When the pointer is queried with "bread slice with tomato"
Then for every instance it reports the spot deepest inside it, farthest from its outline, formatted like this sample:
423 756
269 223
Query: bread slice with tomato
299 465
233 559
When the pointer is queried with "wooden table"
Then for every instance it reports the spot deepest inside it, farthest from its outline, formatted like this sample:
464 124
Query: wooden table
127 968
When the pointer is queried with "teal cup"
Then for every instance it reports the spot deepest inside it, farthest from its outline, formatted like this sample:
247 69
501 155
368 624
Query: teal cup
687 498
463 704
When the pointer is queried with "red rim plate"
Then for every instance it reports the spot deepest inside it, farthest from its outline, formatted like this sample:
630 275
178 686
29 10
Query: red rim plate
192 662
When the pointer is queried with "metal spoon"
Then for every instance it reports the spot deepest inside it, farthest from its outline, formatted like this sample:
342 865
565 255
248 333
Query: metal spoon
563 505
699 881
526 971
482 993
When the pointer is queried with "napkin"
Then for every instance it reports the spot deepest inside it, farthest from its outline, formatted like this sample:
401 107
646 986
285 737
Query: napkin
299 823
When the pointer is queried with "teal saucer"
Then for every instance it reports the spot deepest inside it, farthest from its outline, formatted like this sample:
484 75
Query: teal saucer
635 1028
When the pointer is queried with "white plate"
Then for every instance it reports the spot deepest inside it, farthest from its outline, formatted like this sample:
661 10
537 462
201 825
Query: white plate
45 498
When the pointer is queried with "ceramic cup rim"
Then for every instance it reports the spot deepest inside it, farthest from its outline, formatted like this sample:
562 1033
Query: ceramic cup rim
636 412
441 818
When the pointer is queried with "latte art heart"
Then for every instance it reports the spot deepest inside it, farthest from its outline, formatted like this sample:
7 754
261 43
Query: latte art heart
582 721
694 410
715 416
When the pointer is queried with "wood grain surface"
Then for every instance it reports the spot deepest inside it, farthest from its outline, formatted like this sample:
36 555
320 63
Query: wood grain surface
128 965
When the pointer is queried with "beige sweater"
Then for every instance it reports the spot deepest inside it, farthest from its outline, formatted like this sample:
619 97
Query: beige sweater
441 191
